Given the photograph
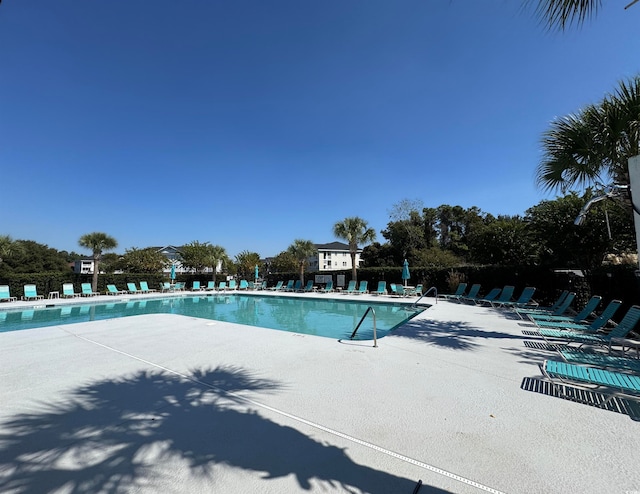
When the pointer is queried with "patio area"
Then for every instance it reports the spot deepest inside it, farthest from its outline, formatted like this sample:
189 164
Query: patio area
174 404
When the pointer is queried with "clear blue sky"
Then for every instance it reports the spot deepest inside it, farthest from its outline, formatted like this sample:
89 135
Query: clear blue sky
251 123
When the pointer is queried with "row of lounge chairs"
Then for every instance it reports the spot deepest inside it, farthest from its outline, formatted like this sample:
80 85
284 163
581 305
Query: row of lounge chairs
591 346
353 288
68 291
497 297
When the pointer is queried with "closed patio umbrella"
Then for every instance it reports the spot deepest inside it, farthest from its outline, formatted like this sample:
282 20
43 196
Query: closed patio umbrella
405 272
257 274
173 272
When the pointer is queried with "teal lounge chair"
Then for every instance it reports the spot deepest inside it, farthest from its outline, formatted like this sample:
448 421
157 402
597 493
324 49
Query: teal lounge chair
616 362
492 295
599 322
222 286
112 290
327 288
144 287
68 292
362 288
278 286
244 285
583 315
524 300
505 295
211 285
351 288
289 286
263 286
396 290
414 292
179 287
297 286
546 310
560 309
232 285
87 291
132 288
382 288
625 326
308 287
5 295
195 287
165 287
473 293
455 295
611 383
31 293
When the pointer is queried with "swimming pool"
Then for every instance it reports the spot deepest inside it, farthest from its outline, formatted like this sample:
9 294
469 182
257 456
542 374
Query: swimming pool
330 318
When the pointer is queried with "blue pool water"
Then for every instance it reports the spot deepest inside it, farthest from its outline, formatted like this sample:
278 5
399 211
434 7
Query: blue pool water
322 317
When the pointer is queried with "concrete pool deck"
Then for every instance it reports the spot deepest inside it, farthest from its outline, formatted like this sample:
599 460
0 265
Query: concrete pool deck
175 404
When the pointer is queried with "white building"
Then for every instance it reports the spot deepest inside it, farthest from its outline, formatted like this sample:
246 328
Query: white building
172 254
83 266
334 256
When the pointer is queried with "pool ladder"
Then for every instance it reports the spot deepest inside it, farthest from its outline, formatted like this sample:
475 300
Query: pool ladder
432 289
375 340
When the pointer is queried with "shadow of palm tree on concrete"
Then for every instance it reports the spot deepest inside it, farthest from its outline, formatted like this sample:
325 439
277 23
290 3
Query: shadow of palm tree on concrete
584 396
456 335
116 435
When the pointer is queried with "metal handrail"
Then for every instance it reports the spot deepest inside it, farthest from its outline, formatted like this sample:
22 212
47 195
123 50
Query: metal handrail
415 304
375 340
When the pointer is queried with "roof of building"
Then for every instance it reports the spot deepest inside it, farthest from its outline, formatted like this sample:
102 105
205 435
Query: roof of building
333 246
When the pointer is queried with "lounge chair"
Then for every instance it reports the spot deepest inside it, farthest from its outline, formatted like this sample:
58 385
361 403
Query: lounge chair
263 285
180 286
560 309
396 290
505 296
351 288
232 285
132 288
455 295
492 295
296 286
611 383
308 287
583 315
598 323
576 356
31 293
5 294
222 286
244 285
621 331
547 310
473 293
68 291
87 291
525 300
278 287
195 286
112 290
382 288
211 285
144 287
165 287
362 288
289 286
327 288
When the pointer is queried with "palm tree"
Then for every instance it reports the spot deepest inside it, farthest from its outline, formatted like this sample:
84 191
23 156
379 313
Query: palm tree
355 231
562 13
593 145
7 246
215 253
302 250
97 242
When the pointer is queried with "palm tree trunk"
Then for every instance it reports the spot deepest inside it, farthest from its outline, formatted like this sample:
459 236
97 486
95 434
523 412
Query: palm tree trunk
94 281
354 271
